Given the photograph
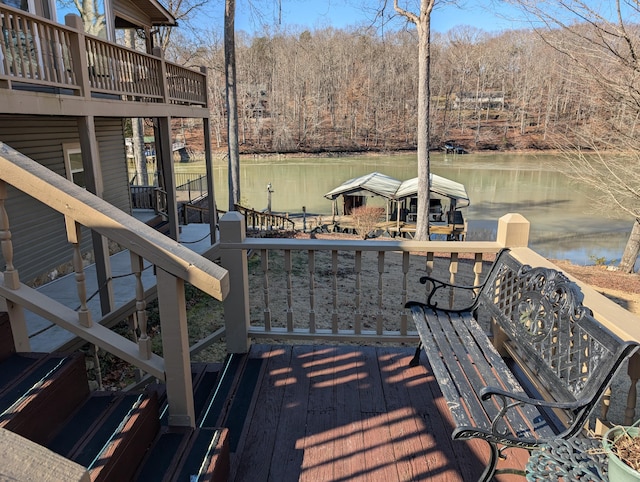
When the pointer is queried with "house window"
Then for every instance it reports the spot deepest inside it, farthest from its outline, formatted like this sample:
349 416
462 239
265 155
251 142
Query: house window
95 15
21 4
73 164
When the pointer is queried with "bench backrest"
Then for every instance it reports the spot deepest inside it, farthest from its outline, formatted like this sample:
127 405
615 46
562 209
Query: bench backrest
541 312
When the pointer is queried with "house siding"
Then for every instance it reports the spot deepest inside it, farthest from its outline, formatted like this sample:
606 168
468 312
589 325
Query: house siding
38 233
110 134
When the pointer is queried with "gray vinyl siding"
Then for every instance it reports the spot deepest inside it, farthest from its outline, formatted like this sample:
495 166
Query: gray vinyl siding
38 232
113 157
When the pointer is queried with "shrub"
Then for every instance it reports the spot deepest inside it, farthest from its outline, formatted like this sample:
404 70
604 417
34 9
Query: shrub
365 219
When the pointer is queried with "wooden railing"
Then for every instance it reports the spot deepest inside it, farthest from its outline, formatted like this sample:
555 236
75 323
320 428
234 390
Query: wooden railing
264 221
173 266
34 50
37 51
148 197
346 290
119 71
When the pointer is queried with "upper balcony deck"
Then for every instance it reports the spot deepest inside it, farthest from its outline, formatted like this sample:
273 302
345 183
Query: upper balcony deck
48 68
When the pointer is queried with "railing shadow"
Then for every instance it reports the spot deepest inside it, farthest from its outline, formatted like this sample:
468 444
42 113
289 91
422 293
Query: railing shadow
338 413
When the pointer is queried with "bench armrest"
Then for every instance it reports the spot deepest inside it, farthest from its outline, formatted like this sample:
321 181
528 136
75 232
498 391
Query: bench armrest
437 284
522 399
510 401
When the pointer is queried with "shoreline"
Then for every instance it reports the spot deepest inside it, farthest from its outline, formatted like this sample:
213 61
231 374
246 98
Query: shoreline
335 154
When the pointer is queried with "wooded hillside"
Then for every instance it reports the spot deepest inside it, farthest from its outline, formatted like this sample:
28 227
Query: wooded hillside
338 90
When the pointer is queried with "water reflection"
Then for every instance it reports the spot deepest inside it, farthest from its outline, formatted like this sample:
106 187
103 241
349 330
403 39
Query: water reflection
563 225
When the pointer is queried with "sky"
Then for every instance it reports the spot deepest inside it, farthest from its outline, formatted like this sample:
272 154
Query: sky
312 14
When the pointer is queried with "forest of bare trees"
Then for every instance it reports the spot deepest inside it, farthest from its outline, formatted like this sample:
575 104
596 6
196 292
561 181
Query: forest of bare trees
354 90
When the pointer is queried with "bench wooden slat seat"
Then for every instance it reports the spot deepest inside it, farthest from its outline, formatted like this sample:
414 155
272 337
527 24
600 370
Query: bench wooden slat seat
564 359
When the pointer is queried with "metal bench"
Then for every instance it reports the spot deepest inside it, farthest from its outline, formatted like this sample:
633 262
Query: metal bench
556 360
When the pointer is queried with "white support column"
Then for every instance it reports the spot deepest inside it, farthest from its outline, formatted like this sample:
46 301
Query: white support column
175 348
236 305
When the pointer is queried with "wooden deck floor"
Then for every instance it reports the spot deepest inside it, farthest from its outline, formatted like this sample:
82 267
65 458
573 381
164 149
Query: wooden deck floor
345 413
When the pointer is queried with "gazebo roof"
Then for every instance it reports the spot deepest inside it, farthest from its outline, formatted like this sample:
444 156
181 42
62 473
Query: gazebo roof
390 188
374 183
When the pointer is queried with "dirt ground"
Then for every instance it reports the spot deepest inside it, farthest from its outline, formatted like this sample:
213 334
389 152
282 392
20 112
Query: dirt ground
622 288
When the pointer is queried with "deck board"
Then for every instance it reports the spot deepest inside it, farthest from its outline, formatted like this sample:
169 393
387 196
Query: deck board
349 413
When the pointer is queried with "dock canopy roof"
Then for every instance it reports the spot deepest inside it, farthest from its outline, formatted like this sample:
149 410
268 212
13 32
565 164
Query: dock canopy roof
390 188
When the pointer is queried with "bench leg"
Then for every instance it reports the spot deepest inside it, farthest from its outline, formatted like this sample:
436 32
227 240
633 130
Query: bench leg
415 361
490 469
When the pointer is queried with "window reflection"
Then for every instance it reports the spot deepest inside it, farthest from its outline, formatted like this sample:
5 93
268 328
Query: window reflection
21 4
92 13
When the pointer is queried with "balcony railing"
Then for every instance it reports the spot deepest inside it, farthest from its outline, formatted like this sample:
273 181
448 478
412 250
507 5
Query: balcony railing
317 289
66 60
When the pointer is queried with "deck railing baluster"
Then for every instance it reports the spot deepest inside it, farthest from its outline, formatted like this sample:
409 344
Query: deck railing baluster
428 269
312 287
144 342
453 271
334 291
11 278
74 235
358 313
379 315
264 255
633 371
405 283
289 274
477 269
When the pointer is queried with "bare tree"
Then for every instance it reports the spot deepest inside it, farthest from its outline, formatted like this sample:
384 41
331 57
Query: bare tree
232 103
602 43
422 21
184 12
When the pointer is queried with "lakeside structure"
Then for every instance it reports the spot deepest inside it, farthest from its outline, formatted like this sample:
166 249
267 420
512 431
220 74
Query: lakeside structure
402 203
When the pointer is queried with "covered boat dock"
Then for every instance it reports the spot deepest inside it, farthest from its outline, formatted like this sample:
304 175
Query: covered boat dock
447 197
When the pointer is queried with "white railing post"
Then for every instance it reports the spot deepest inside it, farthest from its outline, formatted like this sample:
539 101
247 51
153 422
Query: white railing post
175 348
513 231
236 305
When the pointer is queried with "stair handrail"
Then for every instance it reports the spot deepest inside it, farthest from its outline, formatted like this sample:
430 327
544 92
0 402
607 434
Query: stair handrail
174 263
95 213
263 218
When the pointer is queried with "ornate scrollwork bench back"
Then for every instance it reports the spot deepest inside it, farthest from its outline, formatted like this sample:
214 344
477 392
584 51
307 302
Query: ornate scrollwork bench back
552 333
540 374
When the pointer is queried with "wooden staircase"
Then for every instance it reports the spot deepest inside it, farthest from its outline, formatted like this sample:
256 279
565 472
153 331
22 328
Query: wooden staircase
159 223
117 436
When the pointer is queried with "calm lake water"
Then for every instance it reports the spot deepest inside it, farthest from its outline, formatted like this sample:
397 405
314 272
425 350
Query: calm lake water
562 224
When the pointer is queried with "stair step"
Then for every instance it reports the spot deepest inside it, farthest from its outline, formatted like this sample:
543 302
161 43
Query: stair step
220 398
36 404
82 422
163 457
159 223
114 444
182 454
206 458
46 399
120 458
13 368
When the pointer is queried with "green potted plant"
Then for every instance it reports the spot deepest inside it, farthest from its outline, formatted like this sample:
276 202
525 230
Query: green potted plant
622 445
